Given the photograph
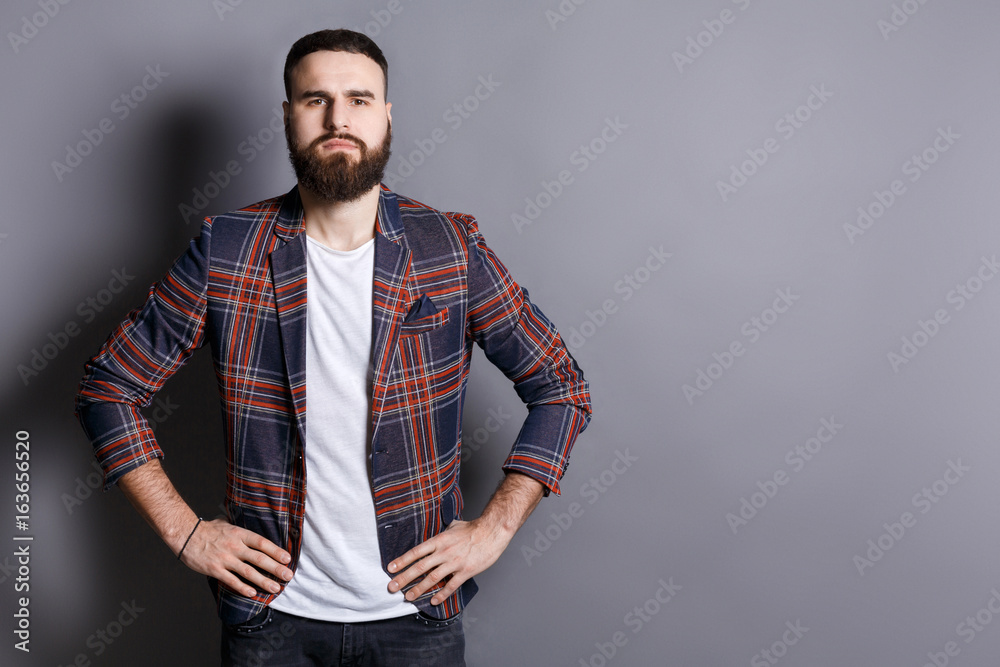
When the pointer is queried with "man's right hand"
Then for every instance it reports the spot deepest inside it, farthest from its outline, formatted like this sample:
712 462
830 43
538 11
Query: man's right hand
223 551
216 548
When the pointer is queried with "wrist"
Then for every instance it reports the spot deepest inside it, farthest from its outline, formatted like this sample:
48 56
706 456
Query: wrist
188 540
496 524
179 532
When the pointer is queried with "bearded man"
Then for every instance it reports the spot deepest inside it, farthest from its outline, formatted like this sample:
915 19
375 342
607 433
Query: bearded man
343 542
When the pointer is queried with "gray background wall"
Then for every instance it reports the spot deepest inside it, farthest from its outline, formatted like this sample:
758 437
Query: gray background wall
880 548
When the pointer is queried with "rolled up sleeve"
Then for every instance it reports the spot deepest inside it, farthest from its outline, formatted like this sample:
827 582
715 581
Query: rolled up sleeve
149 346
521 341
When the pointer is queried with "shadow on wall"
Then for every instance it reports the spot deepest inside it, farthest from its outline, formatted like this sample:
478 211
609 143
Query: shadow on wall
136 238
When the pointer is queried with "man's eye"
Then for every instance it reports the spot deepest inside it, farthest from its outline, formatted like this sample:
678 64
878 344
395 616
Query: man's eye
359 101
317 101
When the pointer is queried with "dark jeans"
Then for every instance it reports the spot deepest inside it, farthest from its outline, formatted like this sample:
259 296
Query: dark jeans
276 639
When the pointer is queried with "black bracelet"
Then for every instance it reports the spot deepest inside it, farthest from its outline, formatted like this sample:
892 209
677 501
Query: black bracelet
188 539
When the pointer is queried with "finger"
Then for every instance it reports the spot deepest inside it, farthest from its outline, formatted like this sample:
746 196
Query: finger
414 554
428 582
266 563
414 572
253 576
261 543
454 582
227 578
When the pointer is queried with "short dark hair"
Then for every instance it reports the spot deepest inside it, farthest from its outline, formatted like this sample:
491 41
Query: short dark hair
334 40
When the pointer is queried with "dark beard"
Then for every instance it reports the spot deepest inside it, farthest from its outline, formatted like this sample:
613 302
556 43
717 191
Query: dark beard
338 178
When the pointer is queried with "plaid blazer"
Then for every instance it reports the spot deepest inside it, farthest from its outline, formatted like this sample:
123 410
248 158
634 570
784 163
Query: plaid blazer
241 287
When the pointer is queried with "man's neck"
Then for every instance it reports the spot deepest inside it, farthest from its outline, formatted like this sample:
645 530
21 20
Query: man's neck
340 225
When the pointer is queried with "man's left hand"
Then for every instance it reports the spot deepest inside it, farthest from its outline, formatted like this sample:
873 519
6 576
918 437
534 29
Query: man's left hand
466 548
461 551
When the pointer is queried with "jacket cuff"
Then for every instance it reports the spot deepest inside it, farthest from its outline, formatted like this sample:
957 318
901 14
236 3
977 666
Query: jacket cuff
125 441
542 448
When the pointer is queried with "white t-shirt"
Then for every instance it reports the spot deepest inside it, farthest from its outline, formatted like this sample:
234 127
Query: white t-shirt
339 575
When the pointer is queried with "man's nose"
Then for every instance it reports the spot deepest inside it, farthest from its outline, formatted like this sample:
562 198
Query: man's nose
336 116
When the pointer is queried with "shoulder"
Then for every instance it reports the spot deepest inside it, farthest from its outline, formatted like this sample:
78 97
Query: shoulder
244 235
251 215
235 228
420 220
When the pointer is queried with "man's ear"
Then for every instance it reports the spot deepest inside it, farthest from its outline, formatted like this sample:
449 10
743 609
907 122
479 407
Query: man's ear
284 109
388 105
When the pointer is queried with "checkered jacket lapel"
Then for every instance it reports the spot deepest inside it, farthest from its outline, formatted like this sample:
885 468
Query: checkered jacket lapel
392 267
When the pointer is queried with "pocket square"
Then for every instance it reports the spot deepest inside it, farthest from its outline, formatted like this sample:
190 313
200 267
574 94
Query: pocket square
421 308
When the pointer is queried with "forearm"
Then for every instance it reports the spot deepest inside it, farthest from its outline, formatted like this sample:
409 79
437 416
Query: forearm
512 503
154 496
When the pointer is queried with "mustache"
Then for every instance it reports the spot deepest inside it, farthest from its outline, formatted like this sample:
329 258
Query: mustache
339 136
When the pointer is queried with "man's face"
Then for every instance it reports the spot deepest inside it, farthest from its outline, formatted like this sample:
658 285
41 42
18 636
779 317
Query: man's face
338 125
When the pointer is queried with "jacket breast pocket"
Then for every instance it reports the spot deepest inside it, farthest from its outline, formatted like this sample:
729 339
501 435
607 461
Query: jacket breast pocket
424 324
